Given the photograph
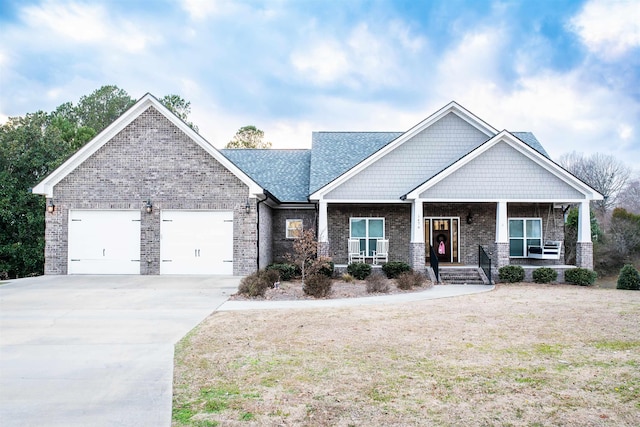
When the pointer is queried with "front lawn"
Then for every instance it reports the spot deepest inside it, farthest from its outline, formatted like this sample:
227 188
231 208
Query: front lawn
524 354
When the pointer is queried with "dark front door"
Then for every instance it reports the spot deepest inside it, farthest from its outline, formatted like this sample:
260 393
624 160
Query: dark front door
441 234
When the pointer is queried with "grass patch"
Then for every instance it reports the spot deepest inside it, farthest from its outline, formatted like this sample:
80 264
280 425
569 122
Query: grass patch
617 345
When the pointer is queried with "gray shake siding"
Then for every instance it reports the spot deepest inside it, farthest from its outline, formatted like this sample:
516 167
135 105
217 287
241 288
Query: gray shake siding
152 159
408 165
502 164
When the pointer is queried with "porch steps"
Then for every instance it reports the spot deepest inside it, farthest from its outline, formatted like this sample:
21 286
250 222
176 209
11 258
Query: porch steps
461 276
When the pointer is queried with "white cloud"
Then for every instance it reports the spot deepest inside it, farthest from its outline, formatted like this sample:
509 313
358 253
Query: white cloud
472 62
201 10
325 62
85 24
361 57
609 28
566 110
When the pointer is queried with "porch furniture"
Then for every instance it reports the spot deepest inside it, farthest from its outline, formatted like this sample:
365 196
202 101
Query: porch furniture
355 254
550 250
382 251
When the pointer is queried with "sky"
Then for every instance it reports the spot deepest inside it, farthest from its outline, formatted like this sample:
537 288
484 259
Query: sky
566 70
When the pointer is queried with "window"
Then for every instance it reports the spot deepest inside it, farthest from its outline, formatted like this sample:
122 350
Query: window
294 228
524 232
368 230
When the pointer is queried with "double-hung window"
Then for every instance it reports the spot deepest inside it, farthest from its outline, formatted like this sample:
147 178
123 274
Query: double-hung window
368 231
294 228
524 232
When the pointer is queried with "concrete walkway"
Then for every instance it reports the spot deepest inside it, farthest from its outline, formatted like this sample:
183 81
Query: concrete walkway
98 350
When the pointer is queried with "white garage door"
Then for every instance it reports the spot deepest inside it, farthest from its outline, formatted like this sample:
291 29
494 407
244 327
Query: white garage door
196 242
104 242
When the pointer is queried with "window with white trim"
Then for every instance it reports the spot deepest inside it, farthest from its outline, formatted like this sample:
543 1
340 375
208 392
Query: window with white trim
524 232
368 230
294 228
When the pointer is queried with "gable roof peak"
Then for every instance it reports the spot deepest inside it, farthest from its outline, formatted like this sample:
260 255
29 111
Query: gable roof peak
45 186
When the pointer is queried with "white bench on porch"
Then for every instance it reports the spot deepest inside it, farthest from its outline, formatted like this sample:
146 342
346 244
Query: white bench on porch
550 250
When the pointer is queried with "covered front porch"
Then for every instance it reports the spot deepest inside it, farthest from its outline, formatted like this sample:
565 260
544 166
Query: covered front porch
452 232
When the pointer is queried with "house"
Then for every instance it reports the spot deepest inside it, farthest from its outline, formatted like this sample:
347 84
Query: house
149 195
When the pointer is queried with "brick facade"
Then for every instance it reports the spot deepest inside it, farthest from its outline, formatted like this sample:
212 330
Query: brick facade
480 231
397 228
281 245
152 159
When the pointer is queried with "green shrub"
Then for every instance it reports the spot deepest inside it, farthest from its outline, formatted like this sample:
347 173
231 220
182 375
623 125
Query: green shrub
545 275
359 270
410 279
629 278
580 276
394 268
256 284
511 273
326 267
377 282
286 271
317 285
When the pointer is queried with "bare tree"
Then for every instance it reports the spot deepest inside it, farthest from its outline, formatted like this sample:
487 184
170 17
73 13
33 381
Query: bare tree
603 172
629 198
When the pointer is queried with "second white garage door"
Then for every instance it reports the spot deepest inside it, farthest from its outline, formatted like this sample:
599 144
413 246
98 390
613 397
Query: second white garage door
196 242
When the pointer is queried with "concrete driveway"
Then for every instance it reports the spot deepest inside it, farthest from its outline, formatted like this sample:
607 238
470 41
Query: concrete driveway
97 350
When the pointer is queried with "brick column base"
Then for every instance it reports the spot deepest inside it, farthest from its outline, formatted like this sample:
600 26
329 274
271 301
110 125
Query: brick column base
500 258
584 255
323 249
416 256
501 255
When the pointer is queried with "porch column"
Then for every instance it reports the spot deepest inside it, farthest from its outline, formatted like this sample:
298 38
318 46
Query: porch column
417 222
584 245
502 235
417 246
323 231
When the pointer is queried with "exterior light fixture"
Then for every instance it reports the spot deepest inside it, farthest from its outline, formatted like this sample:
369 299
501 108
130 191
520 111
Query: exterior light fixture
51 207
247 207
469 218
148 207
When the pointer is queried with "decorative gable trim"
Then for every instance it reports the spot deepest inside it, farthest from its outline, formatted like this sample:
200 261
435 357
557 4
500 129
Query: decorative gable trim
520 146
45 187
452 107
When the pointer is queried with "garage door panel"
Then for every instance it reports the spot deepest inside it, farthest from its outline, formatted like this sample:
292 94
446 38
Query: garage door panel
104 242
196 242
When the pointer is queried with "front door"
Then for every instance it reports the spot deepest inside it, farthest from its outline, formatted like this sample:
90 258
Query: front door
441 234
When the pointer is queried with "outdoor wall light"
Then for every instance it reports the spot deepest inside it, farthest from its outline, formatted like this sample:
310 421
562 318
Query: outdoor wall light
247 207
470 218
51 207
148 207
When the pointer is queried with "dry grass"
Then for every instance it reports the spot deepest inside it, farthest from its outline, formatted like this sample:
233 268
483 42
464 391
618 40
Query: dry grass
522 355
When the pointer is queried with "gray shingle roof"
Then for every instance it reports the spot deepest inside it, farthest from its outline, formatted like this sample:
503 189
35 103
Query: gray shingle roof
292 175
334 153
530 139
284 173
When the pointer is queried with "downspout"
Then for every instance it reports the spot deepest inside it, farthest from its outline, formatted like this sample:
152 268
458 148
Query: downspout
258 232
